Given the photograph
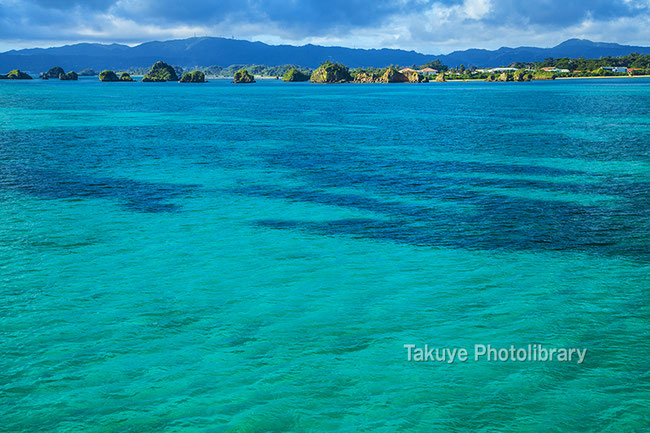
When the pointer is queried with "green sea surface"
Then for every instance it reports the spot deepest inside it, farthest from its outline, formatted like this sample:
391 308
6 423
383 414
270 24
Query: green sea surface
253 258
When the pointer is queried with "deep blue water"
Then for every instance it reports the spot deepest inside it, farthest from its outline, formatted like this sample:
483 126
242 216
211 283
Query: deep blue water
252 258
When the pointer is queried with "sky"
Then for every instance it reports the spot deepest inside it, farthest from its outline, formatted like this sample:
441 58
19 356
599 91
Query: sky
430 27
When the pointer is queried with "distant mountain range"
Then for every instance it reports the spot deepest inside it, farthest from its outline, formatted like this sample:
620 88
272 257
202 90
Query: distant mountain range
209 51
573 48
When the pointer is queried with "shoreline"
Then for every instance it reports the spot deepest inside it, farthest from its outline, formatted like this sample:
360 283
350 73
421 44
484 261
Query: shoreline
557 78
450 80
611 76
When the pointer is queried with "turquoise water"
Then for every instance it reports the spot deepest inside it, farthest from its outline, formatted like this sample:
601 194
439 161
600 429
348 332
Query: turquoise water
221 258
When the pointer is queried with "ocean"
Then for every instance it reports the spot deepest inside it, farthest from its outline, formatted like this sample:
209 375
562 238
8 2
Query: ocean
256 258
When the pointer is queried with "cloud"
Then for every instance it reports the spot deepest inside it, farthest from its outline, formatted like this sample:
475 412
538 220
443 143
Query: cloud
425 25
304 17
560 13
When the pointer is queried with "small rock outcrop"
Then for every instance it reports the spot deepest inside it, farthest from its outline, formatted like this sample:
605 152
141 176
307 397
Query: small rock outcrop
160 72
193 77
441 78
111 77
126 77
522 76
87 73
294 75
504 77
242 77
414 77
55 72
108 76
543 75
17 74
519 76
70 76
366 77
329 73
392 75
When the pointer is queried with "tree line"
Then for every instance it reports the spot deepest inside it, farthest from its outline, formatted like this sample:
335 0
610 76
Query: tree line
633 61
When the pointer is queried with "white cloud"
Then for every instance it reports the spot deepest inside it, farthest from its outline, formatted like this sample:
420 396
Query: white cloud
476 9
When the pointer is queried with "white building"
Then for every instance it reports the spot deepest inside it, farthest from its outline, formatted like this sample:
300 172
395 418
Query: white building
621 69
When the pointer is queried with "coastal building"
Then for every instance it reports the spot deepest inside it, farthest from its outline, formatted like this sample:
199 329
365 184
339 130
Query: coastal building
407 70
556 70
620 69
428 71
502 70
